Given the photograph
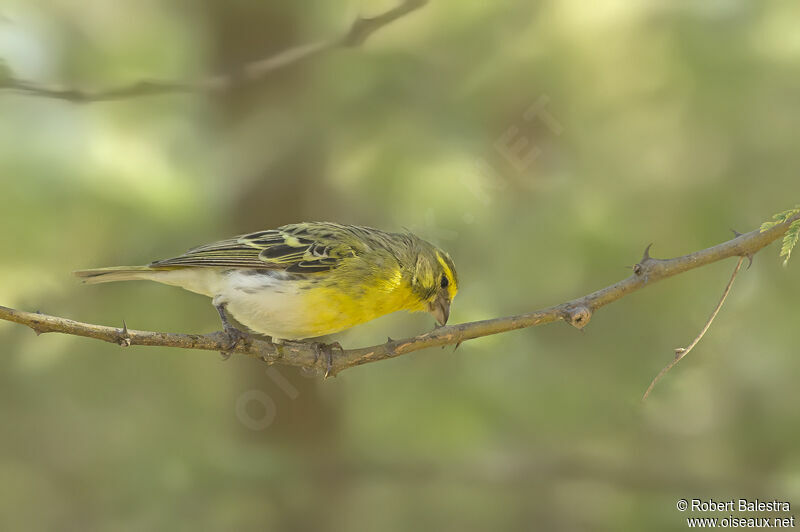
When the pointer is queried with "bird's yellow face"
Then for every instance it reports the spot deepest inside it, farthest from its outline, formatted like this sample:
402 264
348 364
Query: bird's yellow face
435 282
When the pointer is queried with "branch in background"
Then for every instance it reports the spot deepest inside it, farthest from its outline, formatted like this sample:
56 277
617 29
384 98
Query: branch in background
576 312
683 351
251 72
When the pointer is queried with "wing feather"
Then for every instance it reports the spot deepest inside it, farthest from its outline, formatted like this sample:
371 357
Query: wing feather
298 248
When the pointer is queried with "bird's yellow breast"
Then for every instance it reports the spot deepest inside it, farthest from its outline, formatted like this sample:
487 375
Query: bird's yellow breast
332 307
295 309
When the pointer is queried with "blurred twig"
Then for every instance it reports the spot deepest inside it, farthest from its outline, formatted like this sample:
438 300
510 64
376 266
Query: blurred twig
683 351
576 312
359 31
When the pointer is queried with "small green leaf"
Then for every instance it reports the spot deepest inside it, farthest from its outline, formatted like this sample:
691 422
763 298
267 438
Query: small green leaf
780 218
790 241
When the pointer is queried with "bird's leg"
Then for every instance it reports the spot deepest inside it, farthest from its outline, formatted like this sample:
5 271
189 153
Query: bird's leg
327 350
234 335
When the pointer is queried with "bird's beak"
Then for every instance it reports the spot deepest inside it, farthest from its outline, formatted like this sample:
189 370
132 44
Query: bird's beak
440 308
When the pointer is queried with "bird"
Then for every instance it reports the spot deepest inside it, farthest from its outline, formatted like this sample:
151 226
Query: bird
306 280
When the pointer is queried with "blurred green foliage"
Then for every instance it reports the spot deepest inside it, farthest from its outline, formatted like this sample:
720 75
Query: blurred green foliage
665 122
789 240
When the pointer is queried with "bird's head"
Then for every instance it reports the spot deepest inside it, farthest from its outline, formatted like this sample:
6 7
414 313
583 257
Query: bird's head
434 280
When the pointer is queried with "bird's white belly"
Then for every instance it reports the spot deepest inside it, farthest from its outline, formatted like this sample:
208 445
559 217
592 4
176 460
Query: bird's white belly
272 303
268 304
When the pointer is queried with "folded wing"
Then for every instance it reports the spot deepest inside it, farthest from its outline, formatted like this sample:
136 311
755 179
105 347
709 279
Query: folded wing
298 248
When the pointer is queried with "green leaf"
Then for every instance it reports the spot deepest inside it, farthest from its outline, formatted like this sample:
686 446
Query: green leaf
790 241
780 218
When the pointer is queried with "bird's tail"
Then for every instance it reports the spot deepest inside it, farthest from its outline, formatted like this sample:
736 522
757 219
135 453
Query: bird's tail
116 273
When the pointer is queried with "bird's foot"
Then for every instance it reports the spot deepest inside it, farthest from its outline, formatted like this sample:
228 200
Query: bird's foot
234 337
327 350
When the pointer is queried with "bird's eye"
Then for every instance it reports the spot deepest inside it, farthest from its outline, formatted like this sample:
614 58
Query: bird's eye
445 282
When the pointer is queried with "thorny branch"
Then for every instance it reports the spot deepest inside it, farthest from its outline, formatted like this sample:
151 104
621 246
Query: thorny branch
360 31
576 312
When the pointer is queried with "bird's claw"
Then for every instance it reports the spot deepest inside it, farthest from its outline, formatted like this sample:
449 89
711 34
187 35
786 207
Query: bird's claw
234 336
327 350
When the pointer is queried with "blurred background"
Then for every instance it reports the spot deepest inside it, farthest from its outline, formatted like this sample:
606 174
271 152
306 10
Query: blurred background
544 144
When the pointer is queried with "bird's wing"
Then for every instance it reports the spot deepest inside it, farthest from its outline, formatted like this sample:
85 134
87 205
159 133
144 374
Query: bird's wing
298 248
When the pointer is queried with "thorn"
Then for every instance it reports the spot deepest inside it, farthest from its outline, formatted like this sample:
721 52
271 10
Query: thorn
124 339
750 260
638 268
457 346
737 233
389 340
646 254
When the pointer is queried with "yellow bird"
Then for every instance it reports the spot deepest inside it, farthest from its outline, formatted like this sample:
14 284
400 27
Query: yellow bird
307 280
